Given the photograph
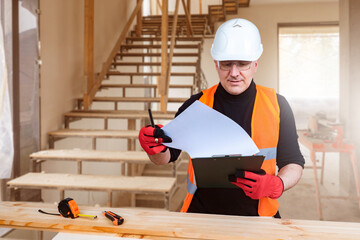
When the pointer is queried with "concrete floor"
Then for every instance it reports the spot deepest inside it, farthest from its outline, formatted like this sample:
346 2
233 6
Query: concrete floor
300 201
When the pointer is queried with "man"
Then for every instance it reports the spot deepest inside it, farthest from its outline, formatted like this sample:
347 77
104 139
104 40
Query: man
264 115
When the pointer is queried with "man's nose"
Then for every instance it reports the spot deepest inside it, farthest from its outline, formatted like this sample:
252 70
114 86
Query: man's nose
234 71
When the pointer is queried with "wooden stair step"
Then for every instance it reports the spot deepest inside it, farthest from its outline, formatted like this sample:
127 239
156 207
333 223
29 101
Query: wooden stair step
117 115
216 7
131 134
178 27
158 32
81 155
159 39
142 86
180 21
117 73
194 64
158 46
126 54
179 24
135 99
123 111
106 115
194 17
139 157
60 181
94 182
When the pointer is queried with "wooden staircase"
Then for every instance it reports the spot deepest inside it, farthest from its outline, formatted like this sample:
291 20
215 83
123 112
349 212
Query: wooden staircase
119 110
219 12
98 149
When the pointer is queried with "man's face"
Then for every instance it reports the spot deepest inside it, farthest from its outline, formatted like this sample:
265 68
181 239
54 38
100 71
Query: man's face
233 80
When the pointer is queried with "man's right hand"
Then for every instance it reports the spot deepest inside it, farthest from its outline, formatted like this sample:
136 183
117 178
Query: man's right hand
151 139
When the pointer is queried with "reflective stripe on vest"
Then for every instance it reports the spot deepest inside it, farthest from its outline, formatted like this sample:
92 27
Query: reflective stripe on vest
269 153
265 135
190 187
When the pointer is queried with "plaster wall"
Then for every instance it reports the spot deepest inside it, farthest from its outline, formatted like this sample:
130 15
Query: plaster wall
62 52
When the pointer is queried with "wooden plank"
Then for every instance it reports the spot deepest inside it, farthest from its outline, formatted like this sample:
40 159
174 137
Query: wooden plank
153 64
159 223
110 85
123 111
188 18
192 39
140 115
135 99
127 54
196 31
157 46
94 133
142 184
91 155
117 73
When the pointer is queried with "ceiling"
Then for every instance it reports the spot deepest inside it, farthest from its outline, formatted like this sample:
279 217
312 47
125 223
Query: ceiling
258 2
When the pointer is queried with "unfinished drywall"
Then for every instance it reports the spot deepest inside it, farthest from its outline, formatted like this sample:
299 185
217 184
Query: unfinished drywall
62 52
267 18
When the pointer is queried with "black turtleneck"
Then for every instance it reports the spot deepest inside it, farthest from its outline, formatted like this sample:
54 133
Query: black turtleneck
239 108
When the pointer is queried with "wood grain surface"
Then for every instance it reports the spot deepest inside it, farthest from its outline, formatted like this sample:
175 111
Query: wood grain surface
150 224
94 182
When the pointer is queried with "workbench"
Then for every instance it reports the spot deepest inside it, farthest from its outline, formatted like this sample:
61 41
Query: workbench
161 224
317 145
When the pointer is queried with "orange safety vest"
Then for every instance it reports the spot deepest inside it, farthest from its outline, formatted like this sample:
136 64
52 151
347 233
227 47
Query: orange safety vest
264 132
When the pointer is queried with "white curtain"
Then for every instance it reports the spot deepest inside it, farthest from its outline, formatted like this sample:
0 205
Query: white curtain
6 133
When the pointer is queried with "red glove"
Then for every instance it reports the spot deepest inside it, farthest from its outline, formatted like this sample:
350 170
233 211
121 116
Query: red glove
151 139
259 185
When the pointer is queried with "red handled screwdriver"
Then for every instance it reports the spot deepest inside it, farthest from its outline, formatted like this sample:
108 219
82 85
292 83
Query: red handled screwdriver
116 219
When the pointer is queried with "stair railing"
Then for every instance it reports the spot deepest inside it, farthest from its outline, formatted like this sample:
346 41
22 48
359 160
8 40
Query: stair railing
164 88
164 81
90 94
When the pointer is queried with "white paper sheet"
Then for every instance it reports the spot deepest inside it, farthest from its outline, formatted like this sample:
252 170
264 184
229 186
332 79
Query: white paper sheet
204 132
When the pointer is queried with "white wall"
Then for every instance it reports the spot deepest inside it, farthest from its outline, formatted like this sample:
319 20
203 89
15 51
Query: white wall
267 18
62 52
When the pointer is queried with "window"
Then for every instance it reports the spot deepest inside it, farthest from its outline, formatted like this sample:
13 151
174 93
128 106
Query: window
309 70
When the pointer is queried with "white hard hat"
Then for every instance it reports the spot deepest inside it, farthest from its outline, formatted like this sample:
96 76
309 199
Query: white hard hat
237 39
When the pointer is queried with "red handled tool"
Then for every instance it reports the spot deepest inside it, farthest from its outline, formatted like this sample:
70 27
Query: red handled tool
116 219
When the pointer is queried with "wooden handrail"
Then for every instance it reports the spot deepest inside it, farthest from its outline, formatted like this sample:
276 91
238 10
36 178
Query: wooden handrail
164 53
88 97
188 19
89 43
159 5
164 98
138 22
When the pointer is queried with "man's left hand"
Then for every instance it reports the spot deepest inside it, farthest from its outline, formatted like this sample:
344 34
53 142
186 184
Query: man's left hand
260 185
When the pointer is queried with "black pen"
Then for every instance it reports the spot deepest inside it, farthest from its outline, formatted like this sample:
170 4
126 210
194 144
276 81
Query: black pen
151 118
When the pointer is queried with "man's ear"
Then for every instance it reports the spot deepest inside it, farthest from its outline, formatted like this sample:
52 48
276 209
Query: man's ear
216 64
256 64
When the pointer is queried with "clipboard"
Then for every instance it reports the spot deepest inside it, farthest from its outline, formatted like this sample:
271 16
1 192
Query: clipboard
213 172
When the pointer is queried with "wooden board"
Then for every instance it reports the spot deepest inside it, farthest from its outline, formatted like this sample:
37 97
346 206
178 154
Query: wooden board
95 133
180 74
94 182
135 99
160 223
92 155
